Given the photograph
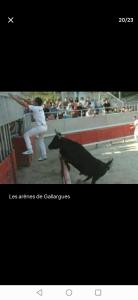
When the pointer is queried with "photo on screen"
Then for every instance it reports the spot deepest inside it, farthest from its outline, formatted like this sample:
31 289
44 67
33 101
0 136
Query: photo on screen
68 137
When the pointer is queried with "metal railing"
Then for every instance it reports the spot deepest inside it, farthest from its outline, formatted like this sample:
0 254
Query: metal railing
134 105
115 100
13 122
9 110
5 142
63 114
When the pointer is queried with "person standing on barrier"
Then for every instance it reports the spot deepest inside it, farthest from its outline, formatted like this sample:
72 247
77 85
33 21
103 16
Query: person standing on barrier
39 131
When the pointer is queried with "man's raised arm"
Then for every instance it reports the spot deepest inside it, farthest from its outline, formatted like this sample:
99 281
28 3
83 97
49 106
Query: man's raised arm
16 98
26 100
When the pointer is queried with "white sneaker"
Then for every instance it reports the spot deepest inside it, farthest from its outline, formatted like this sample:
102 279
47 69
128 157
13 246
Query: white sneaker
28 152
42 158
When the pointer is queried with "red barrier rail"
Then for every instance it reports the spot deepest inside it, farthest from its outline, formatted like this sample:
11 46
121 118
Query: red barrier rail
101 134
8 170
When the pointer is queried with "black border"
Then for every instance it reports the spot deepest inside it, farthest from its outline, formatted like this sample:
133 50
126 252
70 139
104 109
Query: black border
35 244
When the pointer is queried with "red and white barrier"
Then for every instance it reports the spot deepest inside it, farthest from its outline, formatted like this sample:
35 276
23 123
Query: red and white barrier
100 134
8 169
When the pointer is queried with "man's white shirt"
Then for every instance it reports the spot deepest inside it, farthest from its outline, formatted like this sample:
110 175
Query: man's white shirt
136 124
38 115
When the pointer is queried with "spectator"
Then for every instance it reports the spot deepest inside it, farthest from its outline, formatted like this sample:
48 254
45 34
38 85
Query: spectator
46 110
77 99
82 101
89 112
74 111
88 101
79 108
96 111
53 110
106 105
123 109
115 110
135 126
71 100
60 111
66 115
92 105
69 108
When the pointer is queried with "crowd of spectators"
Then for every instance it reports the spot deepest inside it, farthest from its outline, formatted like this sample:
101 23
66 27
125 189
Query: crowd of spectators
72 108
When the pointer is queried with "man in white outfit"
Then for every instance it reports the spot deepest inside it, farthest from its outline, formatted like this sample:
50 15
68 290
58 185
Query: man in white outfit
136 128
39 130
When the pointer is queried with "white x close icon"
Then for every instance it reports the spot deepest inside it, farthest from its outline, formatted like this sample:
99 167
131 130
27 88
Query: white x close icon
10 19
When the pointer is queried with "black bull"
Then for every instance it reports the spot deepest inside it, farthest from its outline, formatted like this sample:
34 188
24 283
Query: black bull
75 154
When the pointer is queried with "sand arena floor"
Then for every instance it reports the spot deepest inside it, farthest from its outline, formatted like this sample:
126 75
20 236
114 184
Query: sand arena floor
124 169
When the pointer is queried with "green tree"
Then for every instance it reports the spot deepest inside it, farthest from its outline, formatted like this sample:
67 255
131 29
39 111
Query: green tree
45 96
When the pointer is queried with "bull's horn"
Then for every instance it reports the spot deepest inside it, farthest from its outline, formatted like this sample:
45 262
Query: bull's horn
58 133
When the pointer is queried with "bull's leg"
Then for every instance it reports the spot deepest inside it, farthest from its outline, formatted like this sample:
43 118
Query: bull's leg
66 162
68 166
94 179
92 182
64 172
87 178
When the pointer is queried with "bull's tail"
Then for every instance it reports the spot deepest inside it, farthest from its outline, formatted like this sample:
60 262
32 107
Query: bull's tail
108 165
